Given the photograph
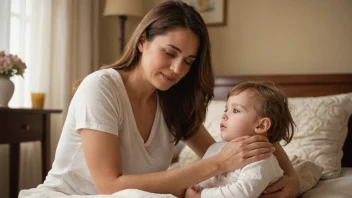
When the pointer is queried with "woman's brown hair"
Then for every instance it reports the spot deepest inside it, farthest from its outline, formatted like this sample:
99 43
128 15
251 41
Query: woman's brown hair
273 104
184 104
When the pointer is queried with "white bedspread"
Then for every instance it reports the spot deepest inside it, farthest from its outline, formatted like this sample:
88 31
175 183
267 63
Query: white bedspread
340 187
129 193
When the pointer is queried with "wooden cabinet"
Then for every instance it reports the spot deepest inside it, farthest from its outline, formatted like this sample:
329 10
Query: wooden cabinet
25 125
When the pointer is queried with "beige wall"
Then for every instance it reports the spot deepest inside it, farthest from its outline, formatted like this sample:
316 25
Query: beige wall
109 34
268 37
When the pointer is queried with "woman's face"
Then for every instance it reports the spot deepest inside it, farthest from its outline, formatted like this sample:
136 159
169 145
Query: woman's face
167 58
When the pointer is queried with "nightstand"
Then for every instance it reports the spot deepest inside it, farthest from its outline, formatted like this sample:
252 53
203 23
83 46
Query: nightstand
25 125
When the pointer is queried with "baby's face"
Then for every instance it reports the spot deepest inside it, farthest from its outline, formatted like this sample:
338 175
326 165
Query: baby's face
240 117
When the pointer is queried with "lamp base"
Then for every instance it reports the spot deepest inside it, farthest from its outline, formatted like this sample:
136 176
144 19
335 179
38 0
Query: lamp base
123 19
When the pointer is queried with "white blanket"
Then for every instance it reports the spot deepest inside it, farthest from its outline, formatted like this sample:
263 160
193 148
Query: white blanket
333 188
128 193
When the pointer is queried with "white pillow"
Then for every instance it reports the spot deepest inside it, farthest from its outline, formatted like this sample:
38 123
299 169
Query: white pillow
321 130
308 173
212 121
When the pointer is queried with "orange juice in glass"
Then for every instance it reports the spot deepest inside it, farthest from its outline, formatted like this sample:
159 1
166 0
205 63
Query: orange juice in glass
38 100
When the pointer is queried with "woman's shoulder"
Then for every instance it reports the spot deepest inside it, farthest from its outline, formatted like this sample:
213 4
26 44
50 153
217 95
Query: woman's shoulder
105 83
108 75
104 79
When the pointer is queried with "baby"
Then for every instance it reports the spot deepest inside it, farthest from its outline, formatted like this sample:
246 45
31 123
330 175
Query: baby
251 108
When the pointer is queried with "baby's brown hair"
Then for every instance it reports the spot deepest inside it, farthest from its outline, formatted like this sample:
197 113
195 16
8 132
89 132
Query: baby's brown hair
274 105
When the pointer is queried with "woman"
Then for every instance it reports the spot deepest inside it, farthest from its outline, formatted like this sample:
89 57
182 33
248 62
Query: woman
124 119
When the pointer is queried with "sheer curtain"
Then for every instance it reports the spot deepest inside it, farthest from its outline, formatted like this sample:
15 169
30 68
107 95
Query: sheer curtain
4 33
63 48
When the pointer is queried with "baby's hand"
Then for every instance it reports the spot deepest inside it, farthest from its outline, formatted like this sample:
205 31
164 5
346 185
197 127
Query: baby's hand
193 192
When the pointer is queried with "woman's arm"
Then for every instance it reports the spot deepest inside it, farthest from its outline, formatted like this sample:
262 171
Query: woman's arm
200 142
288 185
251 149
102 153
284 161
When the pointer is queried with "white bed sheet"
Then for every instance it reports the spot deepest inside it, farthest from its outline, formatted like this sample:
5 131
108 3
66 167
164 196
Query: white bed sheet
128 193
340 187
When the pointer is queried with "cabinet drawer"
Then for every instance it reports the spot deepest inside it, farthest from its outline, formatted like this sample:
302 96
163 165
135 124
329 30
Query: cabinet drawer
22 127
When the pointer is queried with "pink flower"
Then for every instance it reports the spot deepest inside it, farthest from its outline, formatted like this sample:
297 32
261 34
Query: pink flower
11 65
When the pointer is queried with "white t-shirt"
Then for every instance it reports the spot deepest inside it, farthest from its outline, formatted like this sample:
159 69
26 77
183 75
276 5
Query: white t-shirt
247 182
101 103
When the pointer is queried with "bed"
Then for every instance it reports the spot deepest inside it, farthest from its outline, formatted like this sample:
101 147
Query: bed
321 175
328 92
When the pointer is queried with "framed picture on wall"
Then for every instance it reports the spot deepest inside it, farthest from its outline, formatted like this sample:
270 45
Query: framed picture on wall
213 12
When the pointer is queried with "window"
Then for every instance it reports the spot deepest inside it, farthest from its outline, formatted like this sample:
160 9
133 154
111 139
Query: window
18 43
4 24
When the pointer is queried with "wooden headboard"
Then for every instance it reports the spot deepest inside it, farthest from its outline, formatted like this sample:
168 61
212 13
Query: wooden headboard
299 86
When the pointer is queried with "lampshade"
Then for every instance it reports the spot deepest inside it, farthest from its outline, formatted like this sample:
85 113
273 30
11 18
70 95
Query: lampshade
124 7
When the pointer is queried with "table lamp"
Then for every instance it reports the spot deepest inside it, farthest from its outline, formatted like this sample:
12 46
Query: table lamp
123 8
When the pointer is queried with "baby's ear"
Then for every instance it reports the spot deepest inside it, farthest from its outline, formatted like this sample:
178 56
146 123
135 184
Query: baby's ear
263 125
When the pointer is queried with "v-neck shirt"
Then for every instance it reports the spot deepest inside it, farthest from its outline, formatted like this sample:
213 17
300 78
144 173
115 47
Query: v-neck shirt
101 103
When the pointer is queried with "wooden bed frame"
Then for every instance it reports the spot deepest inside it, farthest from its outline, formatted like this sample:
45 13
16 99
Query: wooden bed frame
299 86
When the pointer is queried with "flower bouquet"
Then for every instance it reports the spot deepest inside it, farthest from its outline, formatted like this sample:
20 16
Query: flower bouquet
11 65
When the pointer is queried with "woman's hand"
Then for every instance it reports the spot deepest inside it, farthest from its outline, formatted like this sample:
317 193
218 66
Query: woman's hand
286 187
244 150
193 192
